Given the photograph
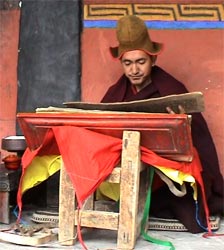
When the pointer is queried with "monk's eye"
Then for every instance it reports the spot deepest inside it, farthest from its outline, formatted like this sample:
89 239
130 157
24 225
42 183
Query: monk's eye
142 61
127 63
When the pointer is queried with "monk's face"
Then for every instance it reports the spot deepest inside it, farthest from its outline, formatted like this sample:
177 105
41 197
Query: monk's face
137 67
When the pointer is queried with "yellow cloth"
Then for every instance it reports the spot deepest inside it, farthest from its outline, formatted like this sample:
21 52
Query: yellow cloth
112 190
180 177
108 190
39 170
42 167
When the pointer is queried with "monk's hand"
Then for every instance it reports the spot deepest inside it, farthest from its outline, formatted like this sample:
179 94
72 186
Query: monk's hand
181 110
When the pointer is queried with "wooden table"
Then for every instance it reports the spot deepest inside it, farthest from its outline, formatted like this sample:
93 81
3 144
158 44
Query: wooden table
168 135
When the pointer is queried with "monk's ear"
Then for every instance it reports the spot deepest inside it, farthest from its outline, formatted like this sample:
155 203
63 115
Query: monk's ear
153 58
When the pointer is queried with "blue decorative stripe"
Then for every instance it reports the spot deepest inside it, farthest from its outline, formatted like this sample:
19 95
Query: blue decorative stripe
160 24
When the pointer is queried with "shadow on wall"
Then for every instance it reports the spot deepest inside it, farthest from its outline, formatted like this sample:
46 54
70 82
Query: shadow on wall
49 59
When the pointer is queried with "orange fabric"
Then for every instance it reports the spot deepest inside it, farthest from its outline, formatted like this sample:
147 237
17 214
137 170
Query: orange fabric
89 157
89 161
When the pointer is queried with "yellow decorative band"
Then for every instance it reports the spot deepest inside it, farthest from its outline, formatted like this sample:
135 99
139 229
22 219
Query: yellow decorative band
156 12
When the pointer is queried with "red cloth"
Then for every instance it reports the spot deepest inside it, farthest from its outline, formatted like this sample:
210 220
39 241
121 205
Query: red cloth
89 157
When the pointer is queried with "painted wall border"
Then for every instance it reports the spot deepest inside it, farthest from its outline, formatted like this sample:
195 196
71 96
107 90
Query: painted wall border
157 16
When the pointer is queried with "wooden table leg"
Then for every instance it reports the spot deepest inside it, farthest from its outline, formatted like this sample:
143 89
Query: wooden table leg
130 175
66 209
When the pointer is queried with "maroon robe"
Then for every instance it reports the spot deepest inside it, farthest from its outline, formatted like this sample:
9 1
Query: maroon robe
164 204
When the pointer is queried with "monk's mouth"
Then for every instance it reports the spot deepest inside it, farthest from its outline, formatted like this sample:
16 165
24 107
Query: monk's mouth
136 77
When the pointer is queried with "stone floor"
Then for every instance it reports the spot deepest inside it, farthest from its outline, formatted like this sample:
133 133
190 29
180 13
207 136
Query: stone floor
96 239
